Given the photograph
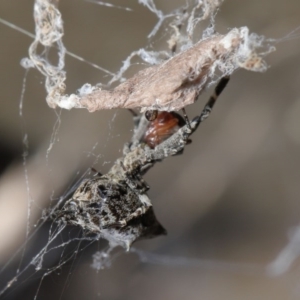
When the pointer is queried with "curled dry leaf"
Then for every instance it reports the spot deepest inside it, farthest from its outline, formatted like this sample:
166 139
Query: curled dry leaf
178 81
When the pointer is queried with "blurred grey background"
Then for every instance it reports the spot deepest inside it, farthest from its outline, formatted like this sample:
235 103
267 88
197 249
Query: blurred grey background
232 197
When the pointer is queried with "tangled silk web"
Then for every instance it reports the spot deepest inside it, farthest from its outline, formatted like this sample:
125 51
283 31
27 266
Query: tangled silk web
194 60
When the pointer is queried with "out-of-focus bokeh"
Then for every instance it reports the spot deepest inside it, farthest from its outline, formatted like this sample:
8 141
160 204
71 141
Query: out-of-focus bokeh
229 203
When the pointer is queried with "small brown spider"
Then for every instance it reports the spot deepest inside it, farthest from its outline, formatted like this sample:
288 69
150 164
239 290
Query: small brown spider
115 205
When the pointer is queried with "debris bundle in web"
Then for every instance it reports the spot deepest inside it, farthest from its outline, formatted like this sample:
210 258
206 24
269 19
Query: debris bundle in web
166 85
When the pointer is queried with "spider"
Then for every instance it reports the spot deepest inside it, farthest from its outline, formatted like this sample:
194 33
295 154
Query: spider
115 206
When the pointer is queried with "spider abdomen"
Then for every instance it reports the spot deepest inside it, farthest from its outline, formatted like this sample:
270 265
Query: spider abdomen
160 129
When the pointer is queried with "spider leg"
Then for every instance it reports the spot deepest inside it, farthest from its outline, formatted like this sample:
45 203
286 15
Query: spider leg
186 119
133 113
97 173
140 126
210 103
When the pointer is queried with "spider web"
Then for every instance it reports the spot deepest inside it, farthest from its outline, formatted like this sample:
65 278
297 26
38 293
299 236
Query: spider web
52 254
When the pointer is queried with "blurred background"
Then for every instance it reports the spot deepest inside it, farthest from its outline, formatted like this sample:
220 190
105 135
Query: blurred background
229 203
